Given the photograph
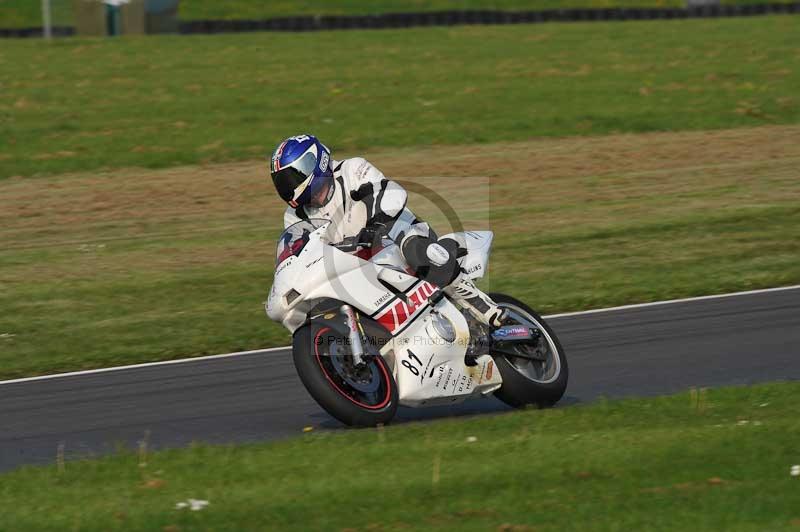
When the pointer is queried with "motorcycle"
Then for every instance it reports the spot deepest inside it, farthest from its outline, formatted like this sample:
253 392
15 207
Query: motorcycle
368 335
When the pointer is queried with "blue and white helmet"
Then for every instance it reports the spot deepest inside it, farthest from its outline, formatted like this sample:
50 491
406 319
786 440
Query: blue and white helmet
302 171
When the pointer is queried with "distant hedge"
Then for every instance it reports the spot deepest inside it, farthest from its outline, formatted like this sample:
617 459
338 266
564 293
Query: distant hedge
449 18
452 18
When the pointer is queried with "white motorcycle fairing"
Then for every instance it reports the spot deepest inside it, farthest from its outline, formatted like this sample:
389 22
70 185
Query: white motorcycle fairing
429 334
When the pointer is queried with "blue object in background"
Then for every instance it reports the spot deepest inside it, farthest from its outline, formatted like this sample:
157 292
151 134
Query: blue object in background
113 23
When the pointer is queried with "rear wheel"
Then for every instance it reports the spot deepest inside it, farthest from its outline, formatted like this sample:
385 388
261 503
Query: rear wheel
363 395
541 378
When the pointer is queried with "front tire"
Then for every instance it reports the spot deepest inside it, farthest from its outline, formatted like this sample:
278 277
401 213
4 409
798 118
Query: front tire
527 382
357 396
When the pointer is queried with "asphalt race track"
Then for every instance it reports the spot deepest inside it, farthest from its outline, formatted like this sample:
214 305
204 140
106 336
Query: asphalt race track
644 350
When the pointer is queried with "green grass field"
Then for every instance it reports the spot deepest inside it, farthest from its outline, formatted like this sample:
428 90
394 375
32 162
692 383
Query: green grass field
709 460
84 104
112 265
131 266
616 163
27 13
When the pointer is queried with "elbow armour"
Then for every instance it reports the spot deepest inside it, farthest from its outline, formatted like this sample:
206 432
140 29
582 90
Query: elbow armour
391 199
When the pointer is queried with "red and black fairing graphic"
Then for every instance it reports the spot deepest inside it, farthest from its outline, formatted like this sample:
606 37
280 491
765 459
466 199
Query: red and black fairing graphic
397 314
293 249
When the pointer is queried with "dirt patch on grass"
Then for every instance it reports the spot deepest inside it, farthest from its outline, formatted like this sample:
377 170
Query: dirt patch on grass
555 158
565 181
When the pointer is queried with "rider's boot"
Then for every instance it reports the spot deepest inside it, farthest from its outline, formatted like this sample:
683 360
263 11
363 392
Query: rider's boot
465 293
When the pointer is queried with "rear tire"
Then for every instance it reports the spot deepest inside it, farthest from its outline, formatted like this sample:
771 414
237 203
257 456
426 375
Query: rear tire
522 383
324 364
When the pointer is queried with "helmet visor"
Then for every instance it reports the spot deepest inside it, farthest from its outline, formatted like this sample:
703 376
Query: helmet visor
288 179
306 163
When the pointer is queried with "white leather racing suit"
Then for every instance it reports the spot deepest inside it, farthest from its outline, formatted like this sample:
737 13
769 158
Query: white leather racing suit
362 198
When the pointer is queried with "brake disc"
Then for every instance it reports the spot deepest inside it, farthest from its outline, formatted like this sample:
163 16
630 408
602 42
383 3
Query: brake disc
365 378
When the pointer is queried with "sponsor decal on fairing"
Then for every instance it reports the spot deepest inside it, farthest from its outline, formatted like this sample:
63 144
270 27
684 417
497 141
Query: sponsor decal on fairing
397 315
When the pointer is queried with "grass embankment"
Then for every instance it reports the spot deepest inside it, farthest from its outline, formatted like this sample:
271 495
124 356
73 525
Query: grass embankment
708 460
81 104
25 13
131 266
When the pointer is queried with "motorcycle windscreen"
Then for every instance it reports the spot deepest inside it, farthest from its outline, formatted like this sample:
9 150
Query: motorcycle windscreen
295 237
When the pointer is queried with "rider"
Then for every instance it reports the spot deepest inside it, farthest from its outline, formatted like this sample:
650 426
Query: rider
361 202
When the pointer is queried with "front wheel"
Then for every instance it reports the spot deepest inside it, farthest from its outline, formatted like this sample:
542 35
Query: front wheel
541 380
361 396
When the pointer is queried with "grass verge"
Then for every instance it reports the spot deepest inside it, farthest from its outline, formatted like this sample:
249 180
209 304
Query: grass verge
708 460
132 266
81 104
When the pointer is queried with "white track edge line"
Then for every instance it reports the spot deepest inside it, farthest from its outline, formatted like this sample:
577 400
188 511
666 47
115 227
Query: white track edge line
671 301
144 365
271 349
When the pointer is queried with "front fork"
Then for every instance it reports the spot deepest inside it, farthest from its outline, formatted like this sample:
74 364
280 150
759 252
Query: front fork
351 328
353 334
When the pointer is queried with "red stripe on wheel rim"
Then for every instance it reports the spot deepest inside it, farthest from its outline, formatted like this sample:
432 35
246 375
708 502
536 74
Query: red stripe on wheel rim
341 392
